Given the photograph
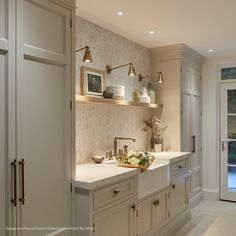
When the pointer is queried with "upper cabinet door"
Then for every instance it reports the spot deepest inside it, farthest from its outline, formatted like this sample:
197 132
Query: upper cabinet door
44 116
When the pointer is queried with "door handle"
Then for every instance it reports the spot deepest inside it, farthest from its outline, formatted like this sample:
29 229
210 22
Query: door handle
194 144
22 164
13 199
223 144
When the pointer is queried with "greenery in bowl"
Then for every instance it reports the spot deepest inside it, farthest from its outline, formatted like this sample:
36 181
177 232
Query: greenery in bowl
136 159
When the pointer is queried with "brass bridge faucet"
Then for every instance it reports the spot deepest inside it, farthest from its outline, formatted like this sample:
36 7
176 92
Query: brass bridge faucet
120 138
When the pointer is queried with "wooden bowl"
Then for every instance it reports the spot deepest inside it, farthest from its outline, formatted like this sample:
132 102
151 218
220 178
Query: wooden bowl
98 159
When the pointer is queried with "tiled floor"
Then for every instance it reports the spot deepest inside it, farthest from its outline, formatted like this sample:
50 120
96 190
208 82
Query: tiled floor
211 218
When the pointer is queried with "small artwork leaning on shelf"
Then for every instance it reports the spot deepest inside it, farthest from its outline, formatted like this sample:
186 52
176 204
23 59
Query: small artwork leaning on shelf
92 81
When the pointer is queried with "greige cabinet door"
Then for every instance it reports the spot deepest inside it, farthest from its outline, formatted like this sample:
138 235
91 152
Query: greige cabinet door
179 195
196 160
8 197
115 221
161 208
191 124
145 225
43 117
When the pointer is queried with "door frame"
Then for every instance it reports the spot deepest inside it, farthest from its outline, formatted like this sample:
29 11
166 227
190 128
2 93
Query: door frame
219 83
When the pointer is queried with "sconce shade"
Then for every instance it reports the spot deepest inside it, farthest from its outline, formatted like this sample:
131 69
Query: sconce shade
131 70
160 78
87 56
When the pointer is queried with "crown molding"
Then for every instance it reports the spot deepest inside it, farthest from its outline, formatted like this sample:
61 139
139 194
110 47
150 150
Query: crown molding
177 52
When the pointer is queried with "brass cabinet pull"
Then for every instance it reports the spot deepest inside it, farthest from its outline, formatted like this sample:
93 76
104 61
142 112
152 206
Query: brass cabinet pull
13 199
180 167
173 186
133 207
115 192
156 203
22 164
194 144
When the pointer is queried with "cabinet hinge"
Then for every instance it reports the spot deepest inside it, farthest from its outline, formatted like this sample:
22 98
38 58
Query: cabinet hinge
70 22
168 194
93 227
201 113
181 112
71 187
137 213
70 105
168 214
181 69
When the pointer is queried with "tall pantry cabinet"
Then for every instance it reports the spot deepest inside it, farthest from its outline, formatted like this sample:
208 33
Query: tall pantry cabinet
36 80
181 94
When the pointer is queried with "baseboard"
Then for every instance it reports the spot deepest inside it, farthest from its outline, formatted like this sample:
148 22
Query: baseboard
211 194
194 201
175 224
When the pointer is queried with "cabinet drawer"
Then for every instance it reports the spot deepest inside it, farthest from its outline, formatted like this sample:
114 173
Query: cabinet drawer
179 167
113 193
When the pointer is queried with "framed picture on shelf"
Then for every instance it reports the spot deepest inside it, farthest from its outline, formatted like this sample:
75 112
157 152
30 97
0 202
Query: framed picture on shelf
92 81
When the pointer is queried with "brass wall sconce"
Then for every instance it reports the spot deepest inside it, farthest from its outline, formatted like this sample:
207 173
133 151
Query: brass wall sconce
87 54
159 80
131 71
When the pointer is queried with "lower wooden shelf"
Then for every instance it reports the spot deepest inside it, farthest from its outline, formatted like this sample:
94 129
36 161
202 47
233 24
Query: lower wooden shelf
101 100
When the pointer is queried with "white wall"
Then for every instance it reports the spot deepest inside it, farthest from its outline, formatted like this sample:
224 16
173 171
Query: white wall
210 124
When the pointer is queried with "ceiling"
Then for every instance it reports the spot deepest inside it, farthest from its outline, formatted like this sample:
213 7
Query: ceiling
201 24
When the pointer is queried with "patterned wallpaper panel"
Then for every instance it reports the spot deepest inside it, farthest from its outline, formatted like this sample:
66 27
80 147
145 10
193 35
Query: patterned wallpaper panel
97 125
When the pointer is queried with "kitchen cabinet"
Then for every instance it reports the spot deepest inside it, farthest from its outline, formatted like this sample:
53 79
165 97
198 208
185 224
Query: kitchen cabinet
181 94
108 209
179 195
145 217
7 116
153 213
191 124
179 190
36 79
115 221
110 204
161 205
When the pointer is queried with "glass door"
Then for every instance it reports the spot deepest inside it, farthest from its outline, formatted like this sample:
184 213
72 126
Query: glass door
228 141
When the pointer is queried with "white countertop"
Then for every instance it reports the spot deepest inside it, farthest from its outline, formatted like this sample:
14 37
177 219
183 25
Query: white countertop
91 175
170 156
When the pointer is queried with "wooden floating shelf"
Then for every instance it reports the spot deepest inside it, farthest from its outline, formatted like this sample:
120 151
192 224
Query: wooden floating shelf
101 100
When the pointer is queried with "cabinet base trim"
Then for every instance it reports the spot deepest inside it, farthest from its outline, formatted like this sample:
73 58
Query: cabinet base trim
194 201
210 194
174 224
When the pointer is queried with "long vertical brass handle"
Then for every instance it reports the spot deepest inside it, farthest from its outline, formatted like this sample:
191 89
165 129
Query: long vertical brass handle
13 199
22 164
194 144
